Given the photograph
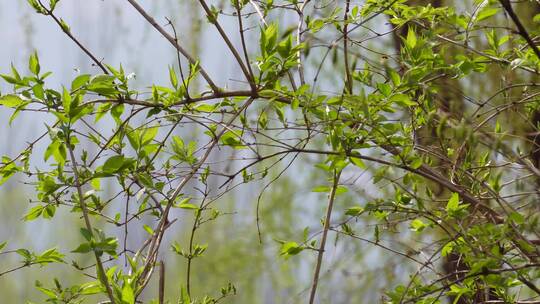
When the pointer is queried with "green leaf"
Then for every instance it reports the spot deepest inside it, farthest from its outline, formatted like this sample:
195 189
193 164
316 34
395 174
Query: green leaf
113 164
11 101
486 13
57 149
25 253
103 85
417 225
116 112
148 135
52 4
230 138
447 249
416 163
454 206
290 248
83 248
187 206
453 203
316 25
91 288
50 256
128 296
148 229
10 79
341 189
173 78
33 213
116 163
354 211
80 81
517 218
86 233
358 162
102 110
48 292
285 46
394 76
402 100
38 7
66 101
321 189
268 38
411 39
2 245
33 64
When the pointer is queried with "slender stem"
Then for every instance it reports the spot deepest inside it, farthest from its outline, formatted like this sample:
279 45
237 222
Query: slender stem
521 29
172 40
213 20
163 224
101 271
324 236
161 282
191 240
77 42
244 47
299 40
346 48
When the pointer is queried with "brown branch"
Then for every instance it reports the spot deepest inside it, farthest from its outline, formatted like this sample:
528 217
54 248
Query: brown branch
158 234
324 236
349 81
213 20
79 44
172 40
244 46
521 28
161 282
100 269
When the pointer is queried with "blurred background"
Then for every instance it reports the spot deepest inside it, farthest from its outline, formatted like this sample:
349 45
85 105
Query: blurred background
353 271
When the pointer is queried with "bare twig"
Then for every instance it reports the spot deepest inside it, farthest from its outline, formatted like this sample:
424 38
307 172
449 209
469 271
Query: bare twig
172 40
521 28
214 21
324 235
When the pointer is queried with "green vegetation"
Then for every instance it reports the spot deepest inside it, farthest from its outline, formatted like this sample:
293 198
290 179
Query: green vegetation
374 151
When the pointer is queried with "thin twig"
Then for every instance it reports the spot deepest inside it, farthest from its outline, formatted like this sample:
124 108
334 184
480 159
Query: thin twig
101 271
77 42
214 21
161 282
349 79
158 234
171 40
521 28
244 46
324 236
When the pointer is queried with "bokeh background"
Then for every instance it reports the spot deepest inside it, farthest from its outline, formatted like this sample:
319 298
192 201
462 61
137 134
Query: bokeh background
353 271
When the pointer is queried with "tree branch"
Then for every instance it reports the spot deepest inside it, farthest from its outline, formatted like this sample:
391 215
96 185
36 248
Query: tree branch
324 236
172 40
521 29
